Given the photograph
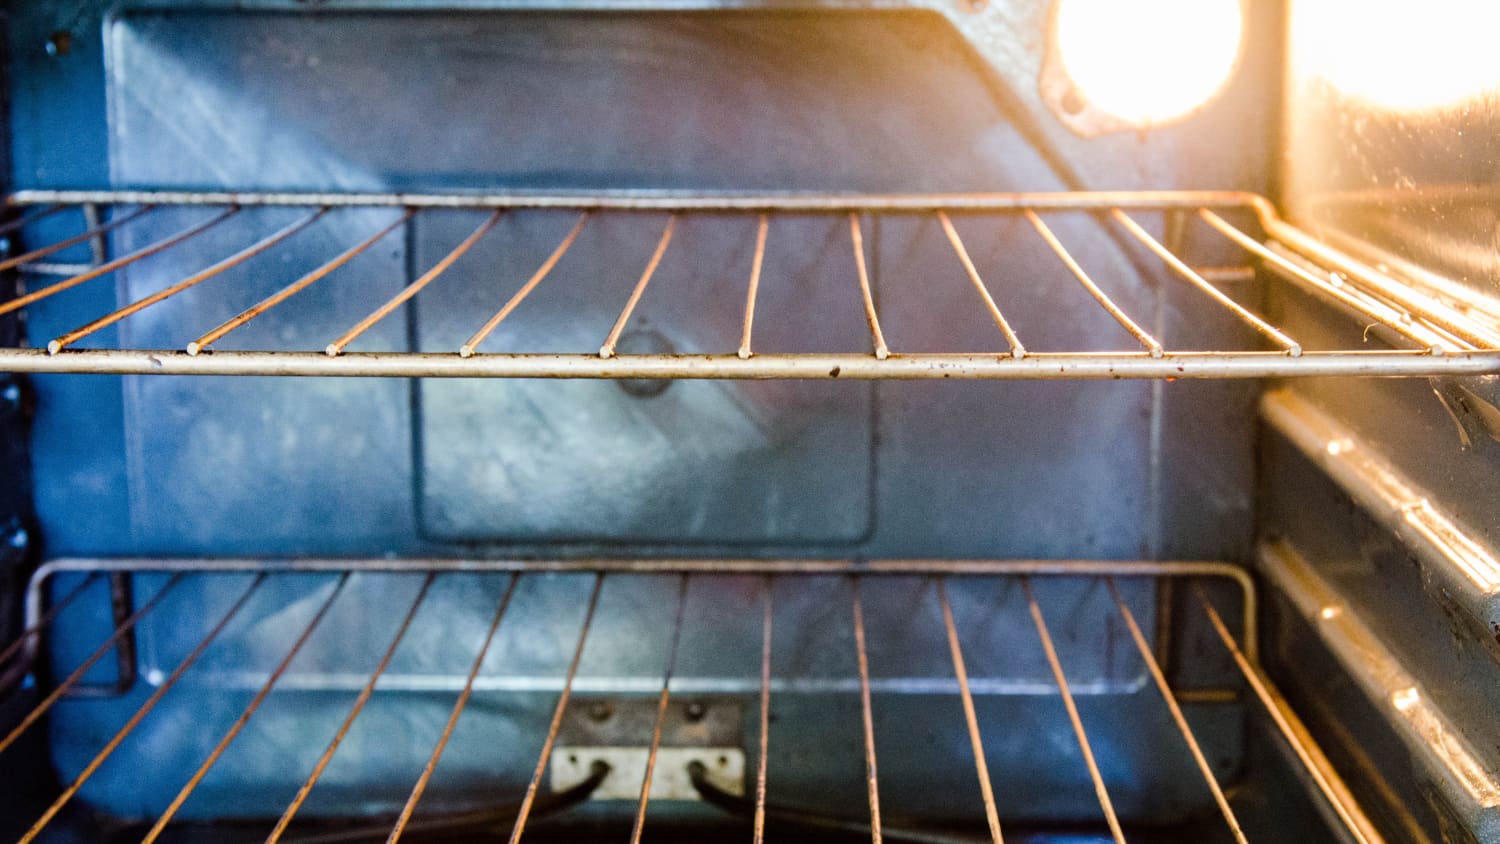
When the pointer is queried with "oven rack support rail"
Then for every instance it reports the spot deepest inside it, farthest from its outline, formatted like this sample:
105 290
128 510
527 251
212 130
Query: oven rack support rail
1311 765
1428 335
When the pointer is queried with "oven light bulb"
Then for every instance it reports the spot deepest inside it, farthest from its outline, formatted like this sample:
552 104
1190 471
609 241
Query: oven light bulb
1148 62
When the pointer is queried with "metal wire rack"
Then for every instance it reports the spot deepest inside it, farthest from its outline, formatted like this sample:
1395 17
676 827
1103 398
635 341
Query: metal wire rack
1429 336
259 576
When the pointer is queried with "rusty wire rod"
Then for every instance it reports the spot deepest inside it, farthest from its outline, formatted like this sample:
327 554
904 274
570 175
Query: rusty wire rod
607 350
336 348
759 820
35 630
247 713
872 779
26 220
453 716
757 262
1292 729
1067 696
63 341
88 234
297 286
122 261
472 344
981 767
661 711
1171 700
1382 313
1152 345
359 704
72 680
1017 350
1196 279
857 239
557 714
142 711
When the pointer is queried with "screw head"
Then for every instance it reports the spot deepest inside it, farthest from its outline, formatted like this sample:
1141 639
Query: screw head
601 710
12 399
695 711
59 44
1073 101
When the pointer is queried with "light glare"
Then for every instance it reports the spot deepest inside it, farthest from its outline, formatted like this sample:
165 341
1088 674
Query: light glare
1401 56
1149 61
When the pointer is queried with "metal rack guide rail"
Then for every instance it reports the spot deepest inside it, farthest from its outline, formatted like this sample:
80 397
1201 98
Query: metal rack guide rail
1429 336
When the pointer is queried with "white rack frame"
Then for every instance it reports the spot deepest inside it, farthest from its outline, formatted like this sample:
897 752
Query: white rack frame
1438 339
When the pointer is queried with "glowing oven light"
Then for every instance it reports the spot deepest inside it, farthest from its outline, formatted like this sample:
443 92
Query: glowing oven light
1401 56
1149 61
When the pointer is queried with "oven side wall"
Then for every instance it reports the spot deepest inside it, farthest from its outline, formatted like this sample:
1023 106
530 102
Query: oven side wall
1382 497
26 778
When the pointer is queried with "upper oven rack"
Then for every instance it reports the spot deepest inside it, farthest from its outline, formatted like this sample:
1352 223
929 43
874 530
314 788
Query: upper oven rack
1431 338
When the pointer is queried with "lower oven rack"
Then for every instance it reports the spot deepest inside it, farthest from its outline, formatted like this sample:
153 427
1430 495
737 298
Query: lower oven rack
45 601
1425 335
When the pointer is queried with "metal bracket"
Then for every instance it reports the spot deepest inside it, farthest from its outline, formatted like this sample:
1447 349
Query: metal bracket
121 605
670 780
619 733
98 248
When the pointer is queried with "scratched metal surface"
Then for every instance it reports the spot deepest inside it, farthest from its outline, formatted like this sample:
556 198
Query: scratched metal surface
289 105
815 740
788 101
1401 175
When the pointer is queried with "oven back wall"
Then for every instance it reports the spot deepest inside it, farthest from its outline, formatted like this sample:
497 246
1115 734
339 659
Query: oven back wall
853 101
747 100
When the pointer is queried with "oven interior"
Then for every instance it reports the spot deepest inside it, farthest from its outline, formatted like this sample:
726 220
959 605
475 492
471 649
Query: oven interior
797 421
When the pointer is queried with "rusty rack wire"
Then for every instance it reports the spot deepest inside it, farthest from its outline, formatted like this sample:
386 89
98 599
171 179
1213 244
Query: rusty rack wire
1339 805
1430 335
